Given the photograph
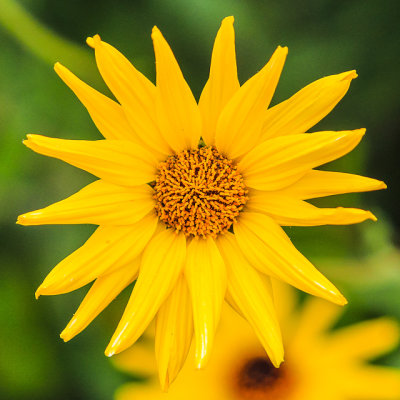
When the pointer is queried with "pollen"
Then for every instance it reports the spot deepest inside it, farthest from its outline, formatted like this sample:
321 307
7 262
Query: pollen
199 192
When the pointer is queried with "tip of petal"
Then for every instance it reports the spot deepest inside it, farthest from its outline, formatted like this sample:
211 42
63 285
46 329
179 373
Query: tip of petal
389 331
199 364
109 352
155 33
164 383
28 143
201 361
57 66
70 330
381 186
29 139
93 41
282 51
27 219
341 300
228 20
64 335
277 353
349 75
113 348
334 296
45 289
277 363
38 292
32 140
360 131
372 217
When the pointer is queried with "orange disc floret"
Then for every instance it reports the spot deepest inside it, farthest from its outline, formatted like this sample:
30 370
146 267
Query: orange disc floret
199 192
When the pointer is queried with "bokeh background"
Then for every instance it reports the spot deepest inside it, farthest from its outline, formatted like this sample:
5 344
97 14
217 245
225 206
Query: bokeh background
324 37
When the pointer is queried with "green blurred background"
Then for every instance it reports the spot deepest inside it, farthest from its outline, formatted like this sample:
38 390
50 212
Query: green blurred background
324 37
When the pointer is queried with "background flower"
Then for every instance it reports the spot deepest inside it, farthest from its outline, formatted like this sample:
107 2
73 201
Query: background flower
320 363
323 39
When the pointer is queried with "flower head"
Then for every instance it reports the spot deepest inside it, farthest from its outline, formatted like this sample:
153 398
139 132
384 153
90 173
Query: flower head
320 363
191 197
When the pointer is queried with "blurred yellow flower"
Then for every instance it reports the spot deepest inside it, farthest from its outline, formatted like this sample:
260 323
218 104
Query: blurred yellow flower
191 197
319 364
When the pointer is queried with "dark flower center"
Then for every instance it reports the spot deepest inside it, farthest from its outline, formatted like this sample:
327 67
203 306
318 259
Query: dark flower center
258 372
258 379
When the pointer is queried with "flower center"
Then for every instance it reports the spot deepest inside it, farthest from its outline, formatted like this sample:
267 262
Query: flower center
259 379
199 192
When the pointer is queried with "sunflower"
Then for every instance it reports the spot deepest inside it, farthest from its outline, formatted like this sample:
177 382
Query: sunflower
319 363
191 197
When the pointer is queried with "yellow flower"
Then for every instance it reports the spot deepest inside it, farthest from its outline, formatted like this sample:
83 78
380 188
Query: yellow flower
191 197
319 364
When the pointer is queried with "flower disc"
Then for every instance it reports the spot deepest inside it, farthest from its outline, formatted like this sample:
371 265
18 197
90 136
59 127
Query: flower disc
199 192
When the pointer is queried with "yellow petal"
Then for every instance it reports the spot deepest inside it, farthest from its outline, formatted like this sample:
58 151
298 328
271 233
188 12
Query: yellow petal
285 299
99 203
307 107
161 265
174 331
109 248
281 161
107 115
315 320
206 276
372 383
326 183
365 340
133 90
177 111
103 291
138 360
230 300
269 249
222 83
119 162
239 125
133 391
251 293
288 211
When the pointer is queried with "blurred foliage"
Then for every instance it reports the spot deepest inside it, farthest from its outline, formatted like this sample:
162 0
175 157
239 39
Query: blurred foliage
324 37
